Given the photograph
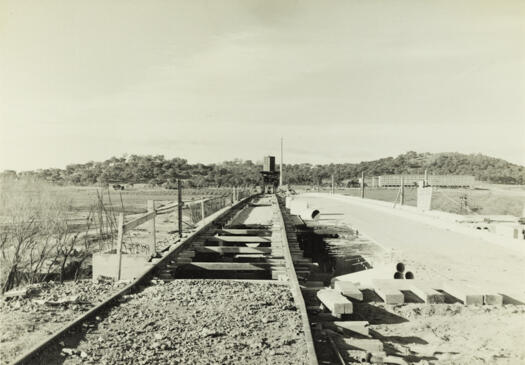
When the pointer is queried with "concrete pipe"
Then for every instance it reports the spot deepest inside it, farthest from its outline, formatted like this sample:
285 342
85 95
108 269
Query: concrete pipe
400 267
399 275
310 214
409 275
364 358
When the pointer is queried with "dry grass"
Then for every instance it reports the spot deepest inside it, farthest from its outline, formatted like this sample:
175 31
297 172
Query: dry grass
43 226
35 238
130 201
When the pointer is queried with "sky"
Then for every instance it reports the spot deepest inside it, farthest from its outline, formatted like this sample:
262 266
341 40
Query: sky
209 81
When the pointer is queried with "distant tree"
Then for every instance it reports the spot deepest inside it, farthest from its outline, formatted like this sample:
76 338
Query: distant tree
160 171
8 175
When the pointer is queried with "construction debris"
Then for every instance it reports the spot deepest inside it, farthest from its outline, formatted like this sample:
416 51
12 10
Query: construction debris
16 293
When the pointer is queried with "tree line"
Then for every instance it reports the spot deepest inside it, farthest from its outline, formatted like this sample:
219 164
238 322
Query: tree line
159 171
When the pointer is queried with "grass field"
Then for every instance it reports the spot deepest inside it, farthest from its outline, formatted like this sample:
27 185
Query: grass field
45 229
486 200
131 201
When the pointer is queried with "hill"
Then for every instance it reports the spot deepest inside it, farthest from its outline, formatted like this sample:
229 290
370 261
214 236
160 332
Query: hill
157 170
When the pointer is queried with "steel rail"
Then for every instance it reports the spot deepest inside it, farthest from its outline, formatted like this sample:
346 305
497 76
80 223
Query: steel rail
29 355
296 289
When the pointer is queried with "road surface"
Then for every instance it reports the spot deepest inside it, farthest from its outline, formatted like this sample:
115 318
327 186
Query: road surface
433 252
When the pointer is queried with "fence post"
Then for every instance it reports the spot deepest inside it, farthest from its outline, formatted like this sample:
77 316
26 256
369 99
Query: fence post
362 185
153 244
179 207
202 209
120 238
402 190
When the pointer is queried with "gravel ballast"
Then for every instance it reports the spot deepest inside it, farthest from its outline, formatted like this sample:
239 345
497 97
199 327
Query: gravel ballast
193 322
25 321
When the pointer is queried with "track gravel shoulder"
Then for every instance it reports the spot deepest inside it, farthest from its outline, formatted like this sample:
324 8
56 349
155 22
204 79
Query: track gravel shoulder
193 322
25 322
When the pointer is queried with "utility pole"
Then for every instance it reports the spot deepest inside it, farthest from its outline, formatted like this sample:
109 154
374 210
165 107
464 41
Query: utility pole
281 172
362 185
120 237
179 206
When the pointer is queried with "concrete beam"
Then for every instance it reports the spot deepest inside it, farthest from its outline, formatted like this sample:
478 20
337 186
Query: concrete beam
228 266
466 294
241 239
245 231
279 274
335 302
428 294
359 327
233 250
369 345
348 289
249 257
401 284
390 295
493 299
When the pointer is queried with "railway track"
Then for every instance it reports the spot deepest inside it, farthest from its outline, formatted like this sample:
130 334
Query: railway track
228 293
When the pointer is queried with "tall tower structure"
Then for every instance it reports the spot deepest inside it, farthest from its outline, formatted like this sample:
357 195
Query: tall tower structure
270 177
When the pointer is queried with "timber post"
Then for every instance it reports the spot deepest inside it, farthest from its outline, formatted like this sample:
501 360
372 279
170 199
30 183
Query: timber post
362 185
179 207
153 243
402 190
120 238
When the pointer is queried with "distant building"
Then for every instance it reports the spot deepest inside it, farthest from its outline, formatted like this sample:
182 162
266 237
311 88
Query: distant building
449 181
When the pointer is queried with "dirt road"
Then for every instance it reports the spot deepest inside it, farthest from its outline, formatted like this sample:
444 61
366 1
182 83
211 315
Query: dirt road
433 252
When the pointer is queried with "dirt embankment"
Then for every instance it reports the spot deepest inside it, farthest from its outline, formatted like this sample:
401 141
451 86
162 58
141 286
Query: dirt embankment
452 333
447 333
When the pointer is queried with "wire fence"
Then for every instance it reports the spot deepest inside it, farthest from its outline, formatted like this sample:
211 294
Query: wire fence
465 201
197 211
